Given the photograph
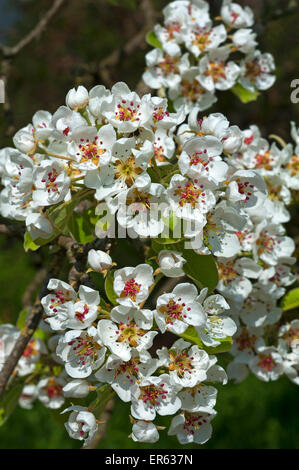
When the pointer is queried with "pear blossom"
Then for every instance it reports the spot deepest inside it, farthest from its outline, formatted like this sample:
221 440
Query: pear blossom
192 427
131 285
81 424
154 395
144 431
99 260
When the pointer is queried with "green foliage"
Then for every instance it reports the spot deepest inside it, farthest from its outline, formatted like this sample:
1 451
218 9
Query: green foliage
290 300
21 322
201 269
152 40
244 95
8 402
109 287
192 336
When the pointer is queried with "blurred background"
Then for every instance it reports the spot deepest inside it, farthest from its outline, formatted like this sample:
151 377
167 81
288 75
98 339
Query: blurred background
91 42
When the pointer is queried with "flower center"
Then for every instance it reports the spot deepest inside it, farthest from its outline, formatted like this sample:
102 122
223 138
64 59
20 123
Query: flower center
50 181
191 90
131 289
266 362
189 194
216 70
173 311
226 272
53 388
202 39
264 160
245 341
180 362
127 170
169 65
193 421
85 349
90 151
30 350
127 111
293 165
129 333
151 394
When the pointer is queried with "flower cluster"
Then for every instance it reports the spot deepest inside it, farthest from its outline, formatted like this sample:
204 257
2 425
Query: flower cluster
197 55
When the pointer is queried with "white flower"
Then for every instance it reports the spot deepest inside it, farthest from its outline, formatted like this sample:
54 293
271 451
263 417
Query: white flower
202 39
267 365
199 398
154 395
84 311
97 96
201 158
24 139
246 341
164 69
144 431
50 393
187 365
124 109
77 98
131 285
56 304
122 375
192 427
190 93
216 327
38 226
81 424
259 308
255 71
77 388
190 201
28 396
236 16
246 189
99 260
171 263
244 40
81 351
271 245
215 73
92 148
51 183
31 356
123 338
177 310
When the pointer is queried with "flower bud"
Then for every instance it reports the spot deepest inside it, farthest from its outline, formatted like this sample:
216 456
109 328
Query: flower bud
99 260
171 263
77 98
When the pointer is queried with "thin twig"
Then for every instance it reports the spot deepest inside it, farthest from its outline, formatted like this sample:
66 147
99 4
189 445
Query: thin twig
32 322
9 52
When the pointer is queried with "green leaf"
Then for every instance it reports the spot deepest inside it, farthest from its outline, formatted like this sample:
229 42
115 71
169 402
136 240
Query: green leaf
192 336
243 94
290 300
21 322
81 228
201 269
109 287
9 401
152 40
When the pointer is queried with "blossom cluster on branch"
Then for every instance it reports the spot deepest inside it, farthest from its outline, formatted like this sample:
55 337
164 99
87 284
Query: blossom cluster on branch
196 56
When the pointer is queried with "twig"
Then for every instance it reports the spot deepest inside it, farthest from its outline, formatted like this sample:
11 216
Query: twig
131 46
10 52
13 230
32 322
35 283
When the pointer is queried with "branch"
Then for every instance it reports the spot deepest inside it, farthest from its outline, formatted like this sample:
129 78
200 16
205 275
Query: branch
10 52
11 229
32 322
131 46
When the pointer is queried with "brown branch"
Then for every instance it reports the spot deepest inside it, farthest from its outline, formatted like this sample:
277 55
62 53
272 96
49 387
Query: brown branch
137 42
10 52
32 322
35 283
11 229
